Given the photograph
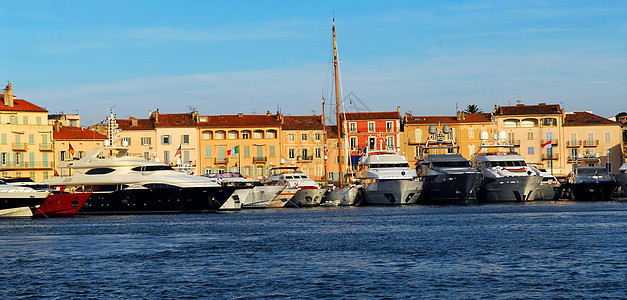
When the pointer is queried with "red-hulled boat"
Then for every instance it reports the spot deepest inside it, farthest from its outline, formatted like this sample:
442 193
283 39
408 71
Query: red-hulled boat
61 205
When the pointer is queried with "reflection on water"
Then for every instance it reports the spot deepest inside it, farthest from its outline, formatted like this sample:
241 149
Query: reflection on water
541 250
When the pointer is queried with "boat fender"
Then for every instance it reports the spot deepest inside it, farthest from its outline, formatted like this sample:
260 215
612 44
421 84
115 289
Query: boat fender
529 173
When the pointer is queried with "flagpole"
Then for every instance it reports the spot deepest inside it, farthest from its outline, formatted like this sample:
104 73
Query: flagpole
551 157
239 161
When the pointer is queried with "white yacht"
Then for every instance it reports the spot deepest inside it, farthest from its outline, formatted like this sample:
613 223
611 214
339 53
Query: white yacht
20 201
448 177
506 176
251 193
299 190
387 179
123 184
549 187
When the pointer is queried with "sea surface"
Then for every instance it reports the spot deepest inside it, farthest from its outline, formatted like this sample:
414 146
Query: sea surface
542 250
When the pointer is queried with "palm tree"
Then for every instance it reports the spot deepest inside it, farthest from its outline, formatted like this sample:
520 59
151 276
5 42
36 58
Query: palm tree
473 109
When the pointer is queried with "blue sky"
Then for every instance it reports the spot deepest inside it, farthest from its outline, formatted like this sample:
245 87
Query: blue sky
226 57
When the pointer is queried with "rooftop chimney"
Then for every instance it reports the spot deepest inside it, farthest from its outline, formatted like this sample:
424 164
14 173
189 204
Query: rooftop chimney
156 115
134 122
8 95
241 115
57 126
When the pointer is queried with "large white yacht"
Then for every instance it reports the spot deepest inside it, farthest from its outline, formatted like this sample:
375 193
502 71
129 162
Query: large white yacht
387 179
506 176
299 190
251 193
20 201
448 177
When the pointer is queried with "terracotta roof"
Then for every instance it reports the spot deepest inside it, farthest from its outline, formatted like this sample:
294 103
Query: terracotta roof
77 133
302 123
20 105
240 121
142 124
521 109
331 132
470 118
371 116
175 120
584 118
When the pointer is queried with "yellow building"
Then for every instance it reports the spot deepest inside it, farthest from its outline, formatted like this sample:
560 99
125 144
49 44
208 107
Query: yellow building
465 129
140 135
71 143
249 144
587 134
26 148
303 140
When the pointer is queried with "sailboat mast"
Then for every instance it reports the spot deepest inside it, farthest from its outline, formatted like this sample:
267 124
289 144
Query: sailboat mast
337 106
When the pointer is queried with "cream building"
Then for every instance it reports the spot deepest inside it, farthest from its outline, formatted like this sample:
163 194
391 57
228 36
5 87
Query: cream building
71 143
26 147
303 140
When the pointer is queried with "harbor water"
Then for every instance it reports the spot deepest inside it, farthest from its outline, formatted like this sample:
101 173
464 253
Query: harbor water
520 251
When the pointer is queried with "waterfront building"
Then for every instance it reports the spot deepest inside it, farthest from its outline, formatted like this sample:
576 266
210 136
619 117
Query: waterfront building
332 154
140 135
303 141
72 143
249 144
587 134
465 129
177 139
26 147
68 120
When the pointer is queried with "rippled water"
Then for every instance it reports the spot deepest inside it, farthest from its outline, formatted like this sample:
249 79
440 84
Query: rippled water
533 250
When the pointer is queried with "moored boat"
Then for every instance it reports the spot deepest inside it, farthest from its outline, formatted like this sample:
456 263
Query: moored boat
589 181
20 201
61 204
299 190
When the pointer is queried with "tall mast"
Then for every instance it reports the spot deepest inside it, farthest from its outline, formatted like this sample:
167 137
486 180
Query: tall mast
337 106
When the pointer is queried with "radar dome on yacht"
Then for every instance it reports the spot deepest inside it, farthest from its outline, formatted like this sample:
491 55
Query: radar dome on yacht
484 135
433 129
596 154
107 143
157 159
282 161
502 135
446 129
124 143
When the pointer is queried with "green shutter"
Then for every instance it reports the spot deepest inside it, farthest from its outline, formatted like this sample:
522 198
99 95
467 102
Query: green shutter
272 150
208 152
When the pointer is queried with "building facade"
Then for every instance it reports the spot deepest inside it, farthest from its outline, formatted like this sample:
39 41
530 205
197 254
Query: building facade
303 140
71 143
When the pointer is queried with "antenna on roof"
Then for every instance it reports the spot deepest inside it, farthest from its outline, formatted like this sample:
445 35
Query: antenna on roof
191 108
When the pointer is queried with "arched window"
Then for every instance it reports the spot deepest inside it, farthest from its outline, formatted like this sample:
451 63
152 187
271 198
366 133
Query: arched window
220 134
245 134
233 134
529 123
258 134
271 134
548 122
511 123
207 135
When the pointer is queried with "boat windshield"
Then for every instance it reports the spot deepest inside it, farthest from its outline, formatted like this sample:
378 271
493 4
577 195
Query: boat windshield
509 163
451 164
591 171
152 168
389 165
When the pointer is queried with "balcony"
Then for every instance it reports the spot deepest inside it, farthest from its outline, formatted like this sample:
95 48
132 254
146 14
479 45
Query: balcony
221 161
554 156
20 147
590 143
45 147
28 165
573 144
260 159
305 158
553 141
513 142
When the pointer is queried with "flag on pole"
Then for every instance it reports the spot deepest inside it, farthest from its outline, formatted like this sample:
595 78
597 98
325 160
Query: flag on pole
178 151
233 150
547 145
71 150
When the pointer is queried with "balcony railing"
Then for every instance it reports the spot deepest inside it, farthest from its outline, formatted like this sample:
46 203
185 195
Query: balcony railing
260 159
28 165
573 143
590 143
305 158
20 146
45 147
553 141
513 142
221 161
554 156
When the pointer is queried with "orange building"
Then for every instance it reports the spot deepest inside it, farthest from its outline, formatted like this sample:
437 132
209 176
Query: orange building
303 141
72 143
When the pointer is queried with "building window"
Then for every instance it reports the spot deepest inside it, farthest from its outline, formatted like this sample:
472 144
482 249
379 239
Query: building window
591 138
165 140
304 154
258 134
73 123
303 137
530 135
391 142
319 171
389 126
146 155
38 120
146 140
318 153
246 134
62 155
573 153
471 149
371 127
206 135
220 135
573 138
271 134
185 139
511 123
291 153
290 137
353 143
246 151
25 118
166 157
608 136
471 133
510 138
548 122
272 151
530 150
318 136
31 139
208 152
352 127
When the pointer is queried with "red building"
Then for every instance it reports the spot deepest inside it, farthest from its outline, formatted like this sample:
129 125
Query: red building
372 130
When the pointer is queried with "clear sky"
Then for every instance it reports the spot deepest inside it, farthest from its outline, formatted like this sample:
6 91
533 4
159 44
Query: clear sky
226 57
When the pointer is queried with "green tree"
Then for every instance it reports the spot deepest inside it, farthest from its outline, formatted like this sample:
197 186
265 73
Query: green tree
473 109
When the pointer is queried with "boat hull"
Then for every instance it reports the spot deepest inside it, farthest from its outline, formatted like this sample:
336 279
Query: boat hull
393 192
591 191
509 189
261 196
621 185
234 202
342 197
450 188
15 203
295 197
61 205
547 192
163 200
